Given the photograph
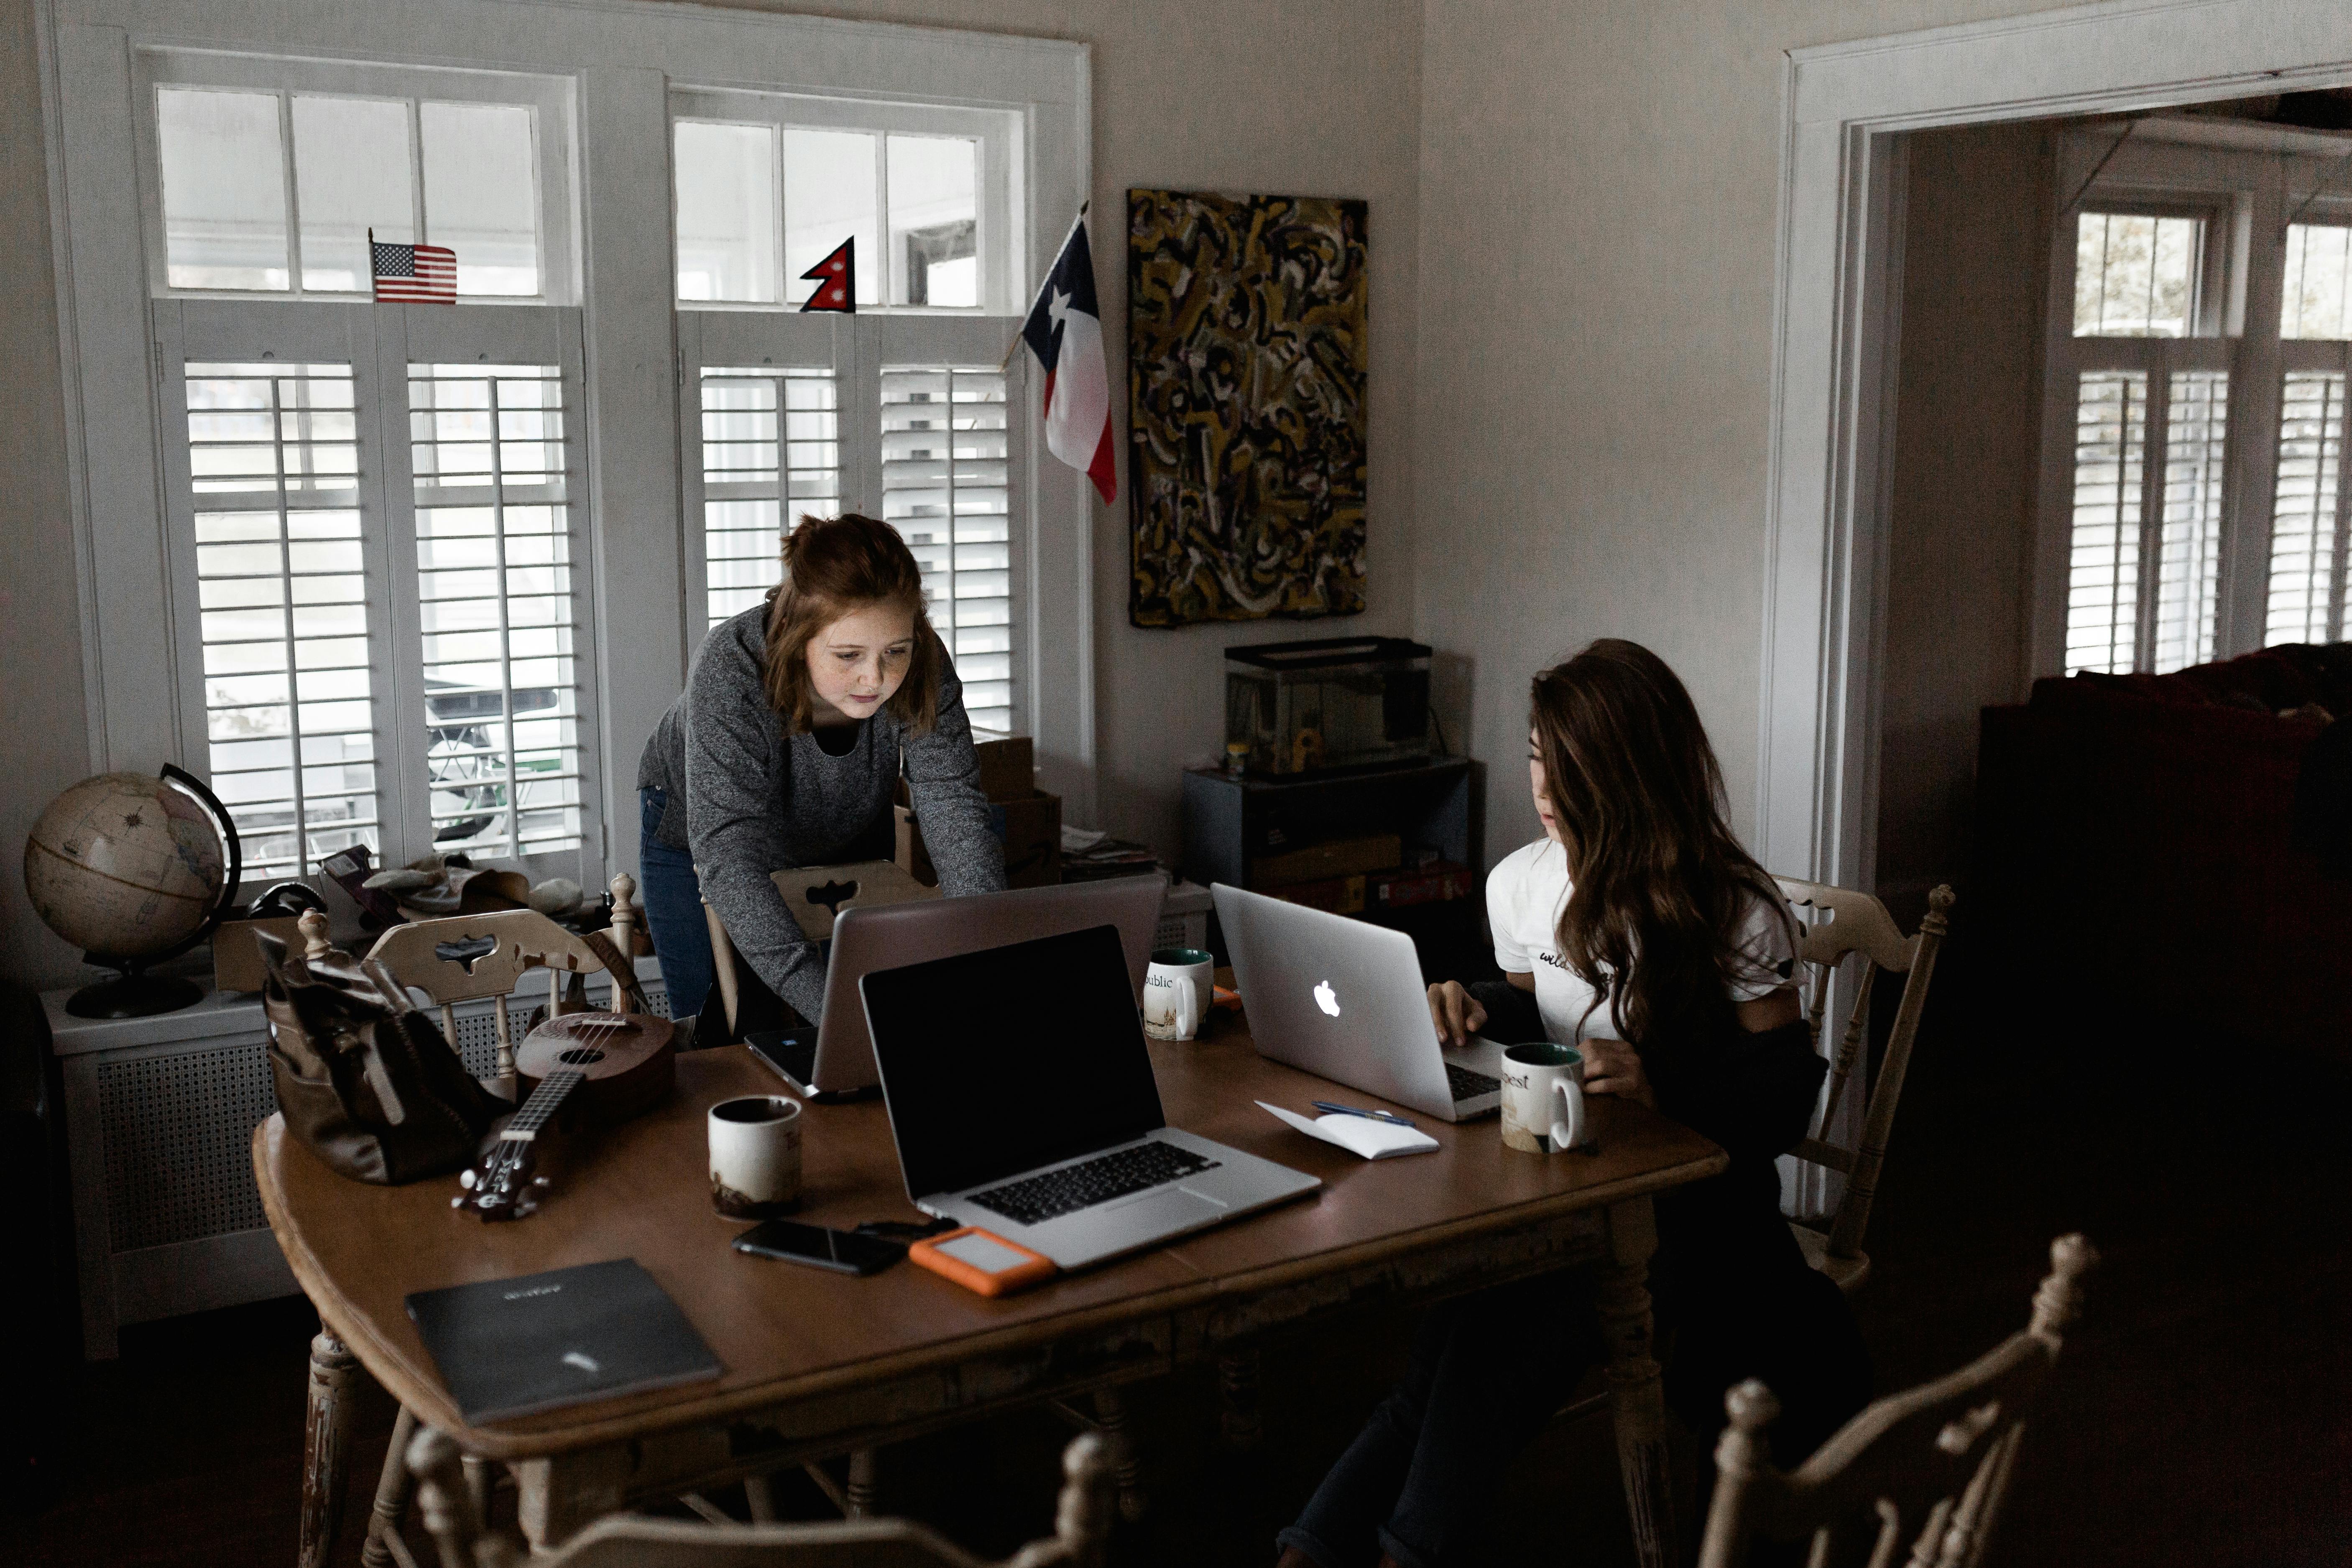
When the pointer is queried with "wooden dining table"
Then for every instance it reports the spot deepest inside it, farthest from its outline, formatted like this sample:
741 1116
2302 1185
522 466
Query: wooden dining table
819 1364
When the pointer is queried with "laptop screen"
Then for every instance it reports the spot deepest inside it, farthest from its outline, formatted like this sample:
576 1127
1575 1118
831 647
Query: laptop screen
996 1062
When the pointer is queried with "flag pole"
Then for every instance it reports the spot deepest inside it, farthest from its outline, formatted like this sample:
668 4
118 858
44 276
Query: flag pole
1007 362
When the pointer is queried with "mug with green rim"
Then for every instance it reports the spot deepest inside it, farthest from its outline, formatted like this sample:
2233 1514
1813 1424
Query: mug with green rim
1543 1097
1177 990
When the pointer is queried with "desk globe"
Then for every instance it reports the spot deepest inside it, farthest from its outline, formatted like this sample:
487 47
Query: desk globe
132 870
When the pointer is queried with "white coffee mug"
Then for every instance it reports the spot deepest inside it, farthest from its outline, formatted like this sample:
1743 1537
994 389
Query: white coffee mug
755 1156
1177 990
1543 1097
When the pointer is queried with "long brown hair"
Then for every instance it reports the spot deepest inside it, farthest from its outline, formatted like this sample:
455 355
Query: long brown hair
835 566
1660 885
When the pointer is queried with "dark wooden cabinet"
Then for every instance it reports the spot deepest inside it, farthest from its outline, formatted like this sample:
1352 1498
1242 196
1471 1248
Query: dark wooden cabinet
1233 827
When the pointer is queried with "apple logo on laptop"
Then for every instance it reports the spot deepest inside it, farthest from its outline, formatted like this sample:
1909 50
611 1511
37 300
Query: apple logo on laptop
1327 998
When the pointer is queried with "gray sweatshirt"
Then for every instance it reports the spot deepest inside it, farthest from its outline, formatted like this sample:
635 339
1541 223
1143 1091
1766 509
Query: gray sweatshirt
746 800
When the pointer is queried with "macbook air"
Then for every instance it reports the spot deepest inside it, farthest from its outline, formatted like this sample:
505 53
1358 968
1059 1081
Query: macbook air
1343 999
1023 1101
834 1058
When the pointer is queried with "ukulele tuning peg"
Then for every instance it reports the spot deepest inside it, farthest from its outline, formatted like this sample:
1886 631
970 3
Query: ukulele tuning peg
458 1201
465 1179
539 1180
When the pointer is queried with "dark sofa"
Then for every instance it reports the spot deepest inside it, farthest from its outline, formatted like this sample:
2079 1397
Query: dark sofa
2137 841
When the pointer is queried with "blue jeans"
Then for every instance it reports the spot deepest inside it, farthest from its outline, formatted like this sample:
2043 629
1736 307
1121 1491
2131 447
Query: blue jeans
1421 1480
673 896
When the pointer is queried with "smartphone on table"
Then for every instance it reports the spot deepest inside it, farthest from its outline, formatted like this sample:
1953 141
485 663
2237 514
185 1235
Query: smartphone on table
844 1251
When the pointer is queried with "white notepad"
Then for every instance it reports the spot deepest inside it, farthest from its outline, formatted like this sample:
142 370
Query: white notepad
1359 1134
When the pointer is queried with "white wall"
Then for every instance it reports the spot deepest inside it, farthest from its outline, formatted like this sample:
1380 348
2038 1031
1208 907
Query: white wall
44 746
1293 96
1976 269
1599 213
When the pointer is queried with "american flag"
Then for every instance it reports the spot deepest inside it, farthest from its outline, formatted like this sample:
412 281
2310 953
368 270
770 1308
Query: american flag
422 274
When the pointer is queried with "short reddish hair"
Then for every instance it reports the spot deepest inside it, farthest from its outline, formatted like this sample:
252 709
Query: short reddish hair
835 566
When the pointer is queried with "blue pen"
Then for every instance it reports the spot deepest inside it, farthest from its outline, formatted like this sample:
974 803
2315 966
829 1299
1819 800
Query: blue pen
1337 1110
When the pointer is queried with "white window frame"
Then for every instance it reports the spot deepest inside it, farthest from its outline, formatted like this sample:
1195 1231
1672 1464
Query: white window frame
1004 255
617 60
548 98
2246 183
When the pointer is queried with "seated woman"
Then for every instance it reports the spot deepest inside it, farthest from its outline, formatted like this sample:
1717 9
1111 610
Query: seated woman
1638 929
786 748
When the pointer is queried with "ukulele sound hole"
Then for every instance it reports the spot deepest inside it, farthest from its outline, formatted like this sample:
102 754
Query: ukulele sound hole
833 895
579 1056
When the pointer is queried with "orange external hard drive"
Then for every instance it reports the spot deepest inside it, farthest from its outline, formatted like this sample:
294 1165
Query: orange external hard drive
982 1260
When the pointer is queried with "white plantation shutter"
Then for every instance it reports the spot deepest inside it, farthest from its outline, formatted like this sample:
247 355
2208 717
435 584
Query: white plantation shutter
946 489
2103 571
496 607
771 454
2308 511
284 605
2189 550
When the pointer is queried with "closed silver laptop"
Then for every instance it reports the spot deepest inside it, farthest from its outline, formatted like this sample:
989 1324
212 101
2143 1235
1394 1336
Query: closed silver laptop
1022 1100
836 1058
1344 999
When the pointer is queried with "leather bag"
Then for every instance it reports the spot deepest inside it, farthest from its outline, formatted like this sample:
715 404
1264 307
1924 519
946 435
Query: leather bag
364 1077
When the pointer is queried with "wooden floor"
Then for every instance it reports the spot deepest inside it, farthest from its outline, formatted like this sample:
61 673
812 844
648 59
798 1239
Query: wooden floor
2208 1417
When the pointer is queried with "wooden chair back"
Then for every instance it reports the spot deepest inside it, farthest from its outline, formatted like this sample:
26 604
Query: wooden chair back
1082 1525
1926 1469
1846 924
463 958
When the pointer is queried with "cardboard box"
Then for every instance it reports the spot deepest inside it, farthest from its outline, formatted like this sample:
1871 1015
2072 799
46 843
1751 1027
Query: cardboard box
1008 765
1336 895
1321 862
236 962
818 894
1030 828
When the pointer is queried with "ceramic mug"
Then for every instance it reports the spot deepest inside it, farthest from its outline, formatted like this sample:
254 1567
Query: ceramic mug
755 1156
1543 1097
1177 990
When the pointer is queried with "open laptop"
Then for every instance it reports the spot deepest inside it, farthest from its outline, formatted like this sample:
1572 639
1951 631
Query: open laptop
1022 1100
834 1058
1343 999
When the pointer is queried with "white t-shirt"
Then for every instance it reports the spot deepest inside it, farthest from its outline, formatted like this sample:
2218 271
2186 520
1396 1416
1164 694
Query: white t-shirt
1525 895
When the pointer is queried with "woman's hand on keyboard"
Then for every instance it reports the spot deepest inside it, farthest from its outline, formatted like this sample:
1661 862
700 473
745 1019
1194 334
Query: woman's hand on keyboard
1455 1011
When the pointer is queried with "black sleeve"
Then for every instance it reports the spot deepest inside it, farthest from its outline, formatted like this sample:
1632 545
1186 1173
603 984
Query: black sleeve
1511 1014
1752 1093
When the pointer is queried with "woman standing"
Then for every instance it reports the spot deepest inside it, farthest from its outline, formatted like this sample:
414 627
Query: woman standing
1638 929
786 749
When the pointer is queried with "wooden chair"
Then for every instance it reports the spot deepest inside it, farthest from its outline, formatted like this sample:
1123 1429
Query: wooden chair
1082 1526
1858 924
1928 1466
464 958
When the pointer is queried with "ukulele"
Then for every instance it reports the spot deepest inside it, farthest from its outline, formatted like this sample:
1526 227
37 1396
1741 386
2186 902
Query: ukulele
607 1066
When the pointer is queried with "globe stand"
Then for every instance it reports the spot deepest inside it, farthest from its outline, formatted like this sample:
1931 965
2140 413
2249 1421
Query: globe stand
132 995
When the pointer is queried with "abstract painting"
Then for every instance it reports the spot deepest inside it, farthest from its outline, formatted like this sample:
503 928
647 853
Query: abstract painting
1246 357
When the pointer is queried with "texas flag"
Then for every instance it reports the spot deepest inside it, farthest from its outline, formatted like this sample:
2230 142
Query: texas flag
1064 331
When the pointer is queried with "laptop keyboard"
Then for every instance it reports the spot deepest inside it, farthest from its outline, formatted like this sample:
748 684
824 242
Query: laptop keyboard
1468 1085
1033 1200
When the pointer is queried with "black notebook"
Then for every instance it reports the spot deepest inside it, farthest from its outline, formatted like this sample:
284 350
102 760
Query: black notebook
509 1347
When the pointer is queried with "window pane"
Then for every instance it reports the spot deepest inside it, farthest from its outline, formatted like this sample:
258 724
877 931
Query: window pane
2315 303
2196 431
481 193
2306 538
830 195
495 606
934 204
224 189
281 586
726 212
751 420
2103 573
945 488
351 173
2135 276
